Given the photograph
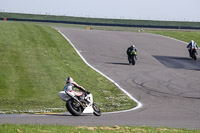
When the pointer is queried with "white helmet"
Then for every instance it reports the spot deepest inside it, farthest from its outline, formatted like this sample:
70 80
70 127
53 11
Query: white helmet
69 80
191 41
132 46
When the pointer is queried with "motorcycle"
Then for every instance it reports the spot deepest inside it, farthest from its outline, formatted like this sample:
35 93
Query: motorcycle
193 53
78 105
132 57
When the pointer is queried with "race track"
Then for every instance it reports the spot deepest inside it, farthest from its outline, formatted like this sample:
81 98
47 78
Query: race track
164 80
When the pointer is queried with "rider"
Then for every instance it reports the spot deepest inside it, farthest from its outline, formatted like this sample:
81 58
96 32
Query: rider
132 49
191 46
71 83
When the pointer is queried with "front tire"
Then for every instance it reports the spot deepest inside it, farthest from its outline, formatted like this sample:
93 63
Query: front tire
74 107
133 62
195 57
96 109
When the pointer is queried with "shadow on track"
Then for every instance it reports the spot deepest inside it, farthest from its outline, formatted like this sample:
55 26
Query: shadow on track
179 62
67 114
116 63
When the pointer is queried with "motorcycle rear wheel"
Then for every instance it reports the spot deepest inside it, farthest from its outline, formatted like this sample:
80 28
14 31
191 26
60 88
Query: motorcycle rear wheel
72 107
97 110
131 60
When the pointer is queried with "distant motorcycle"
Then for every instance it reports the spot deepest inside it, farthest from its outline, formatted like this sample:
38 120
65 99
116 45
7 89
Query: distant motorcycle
193 53
132 57
76 106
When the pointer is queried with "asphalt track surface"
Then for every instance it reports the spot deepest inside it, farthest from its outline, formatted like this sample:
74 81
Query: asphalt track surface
165 80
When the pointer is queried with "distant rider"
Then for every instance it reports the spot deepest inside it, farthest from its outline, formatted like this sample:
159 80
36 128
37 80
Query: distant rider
130 51
192 45
71 83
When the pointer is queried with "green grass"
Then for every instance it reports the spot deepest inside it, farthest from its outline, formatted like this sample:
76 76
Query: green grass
22 128
34 62
33 70
100 20
183 35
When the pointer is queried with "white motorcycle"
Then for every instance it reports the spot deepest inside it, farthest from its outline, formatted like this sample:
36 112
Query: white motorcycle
77 105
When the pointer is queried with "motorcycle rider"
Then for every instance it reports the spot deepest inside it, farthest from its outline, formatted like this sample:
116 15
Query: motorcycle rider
72 84
132 49
192 45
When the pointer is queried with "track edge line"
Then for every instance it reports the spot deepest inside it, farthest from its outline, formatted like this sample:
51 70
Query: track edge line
139 104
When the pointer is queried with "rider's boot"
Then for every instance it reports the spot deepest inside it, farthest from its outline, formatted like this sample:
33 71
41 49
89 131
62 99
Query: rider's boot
129 60
190 52
82 99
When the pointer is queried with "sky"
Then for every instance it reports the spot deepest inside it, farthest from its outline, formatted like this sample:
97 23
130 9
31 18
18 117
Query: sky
167 10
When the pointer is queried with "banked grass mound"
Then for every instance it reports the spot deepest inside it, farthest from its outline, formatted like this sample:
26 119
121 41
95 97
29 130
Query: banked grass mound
100 21
34 62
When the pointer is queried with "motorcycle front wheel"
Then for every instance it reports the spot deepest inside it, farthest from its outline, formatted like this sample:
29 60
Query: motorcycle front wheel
97 110
133 62
195 57
74 107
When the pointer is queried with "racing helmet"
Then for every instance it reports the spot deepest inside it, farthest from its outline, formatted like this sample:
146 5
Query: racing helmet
191 41
133 46
69 80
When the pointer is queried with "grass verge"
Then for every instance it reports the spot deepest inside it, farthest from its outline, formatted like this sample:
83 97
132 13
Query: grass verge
183 35
10 30
10 128
123 22
34 62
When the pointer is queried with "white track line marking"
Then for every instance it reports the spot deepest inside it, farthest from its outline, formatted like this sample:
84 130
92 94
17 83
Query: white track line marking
168 37
139 105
